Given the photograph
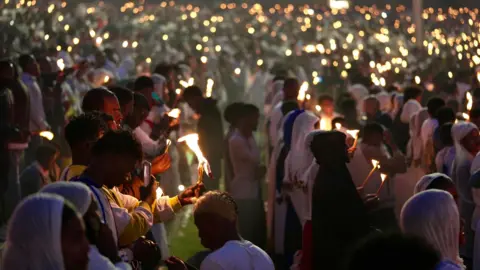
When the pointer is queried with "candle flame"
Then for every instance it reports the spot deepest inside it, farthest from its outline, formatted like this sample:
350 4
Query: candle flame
375 163
303 91
192 142
323 124
181 188
191 81
383 176
106 79
184 84
318 108
338 126
466 116
159 192
61 64
178 91
174 113
47 135
354 134
469 101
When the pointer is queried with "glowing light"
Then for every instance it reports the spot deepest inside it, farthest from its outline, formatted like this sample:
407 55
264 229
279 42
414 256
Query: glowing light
47 36
99 40
125 44
259 62
134 44
47 135
209 88
66 27
76 41
237 71
192 142
303 91
148 60
318 108
354 133
469 101
204 59
106 79
338 126
92 33
181 188
165 37
466 116
218 48
191 81
106 35
61 64
59 48
288 52
450 74
178 91
158 192
417 80
174 113
51 8
60 18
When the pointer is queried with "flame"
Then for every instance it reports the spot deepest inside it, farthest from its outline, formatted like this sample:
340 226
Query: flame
106 79
174 113
375 163
318 108
469 101
191 81
323 124
181 188
184 84
303 91
210 84
354 134
47 135
478 76
192 142
159 192
61 64
383 176
466 116
338 126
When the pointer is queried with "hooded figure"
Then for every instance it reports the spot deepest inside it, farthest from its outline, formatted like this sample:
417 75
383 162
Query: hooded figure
336 204
461 177
433 215
433 181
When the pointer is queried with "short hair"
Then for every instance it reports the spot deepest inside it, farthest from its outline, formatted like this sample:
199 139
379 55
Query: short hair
445 133
233 112
86 127
291 82
192 91
24 60
411 92
445 115
94 99
372 129
118 142
143 82
217 203
395 252
123 95
44 153
325 97
249 109
434 104
140 101
348 104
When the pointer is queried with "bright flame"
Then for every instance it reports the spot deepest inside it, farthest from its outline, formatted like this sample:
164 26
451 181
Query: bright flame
469 101
237 71
210 84
178 91
318 108
466 116
183 83
303 91
47 135
191 81
181 188
375 163
323 124
174 113
159 192
383 176
338 125
105 80
354 134
61 64
192 142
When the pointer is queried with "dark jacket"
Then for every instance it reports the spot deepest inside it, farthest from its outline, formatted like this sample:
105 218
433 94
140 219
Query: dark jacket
210 129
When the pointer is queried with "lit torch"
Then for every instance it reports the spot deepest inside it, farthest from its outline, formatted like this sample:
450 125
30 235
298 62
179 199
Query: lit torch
191 81
376 166
354 134
303 91
61 64
384 177
46 134
192 142
174 113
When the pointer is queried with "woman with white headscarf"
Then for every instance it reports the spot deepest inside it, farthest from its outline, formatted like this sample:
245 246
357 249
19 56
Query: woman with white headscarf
436 181
433 215
466 140
45 232
359 93
81 197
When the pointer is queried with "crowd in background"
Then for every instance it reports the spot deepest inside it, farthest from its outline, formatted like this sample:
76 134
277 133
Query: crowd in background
323 130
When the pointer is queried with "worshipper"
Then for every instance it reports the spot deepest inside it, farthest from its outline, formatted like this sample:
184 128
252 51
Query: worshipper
436 181
112 159
395 252
358 92
373 144
411 104
81 133
103 100
327 112
45 232
216 216
335 203
247 173
103 252
291 87
37 175
209 129
232 115
444 115
428 129
371 108
275 94
446 156
433 215
348 108
385 101
467 144
125 99
416 151
38 120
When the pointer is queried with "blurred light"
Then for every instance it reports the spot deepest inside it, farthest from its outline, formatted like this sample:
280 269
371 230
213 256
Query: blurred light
148 60
259 62
125 44
238 71
134 44
204 59
76 41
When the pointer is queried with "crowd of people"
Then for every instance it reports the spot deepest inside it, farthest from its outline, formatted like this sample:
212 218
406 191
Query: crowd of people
330 138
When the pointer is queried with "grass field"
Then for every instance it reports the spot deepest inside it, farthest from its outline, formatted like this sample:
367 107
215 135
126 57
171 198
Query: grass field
184 241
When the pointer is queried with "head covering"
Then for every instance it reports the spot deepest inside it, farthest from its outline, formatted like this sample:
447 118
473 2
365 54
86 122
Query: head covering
397 104
76 193
358 92
34 234
459 131
385 101
159 82
300 157
337 208
433 215
428 179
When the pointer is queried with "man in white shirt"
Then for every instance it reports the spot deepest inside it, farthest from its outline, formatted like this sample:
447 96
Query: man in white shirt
216 219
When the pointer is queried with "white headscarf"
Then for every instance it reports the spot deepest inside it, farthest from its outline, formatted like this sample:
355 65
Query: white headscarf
359 92
76 193
426 180
159 82
459 131
385 101
300 157
397 104
433 215
34 234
